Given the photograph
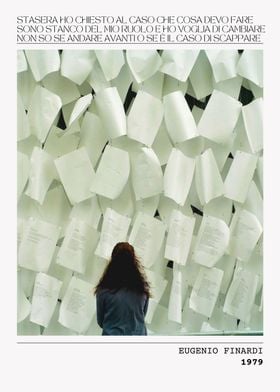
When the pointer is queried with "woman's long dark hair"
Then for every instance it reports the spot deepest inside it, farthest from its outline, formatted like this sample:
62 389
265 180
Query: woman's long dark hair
124 271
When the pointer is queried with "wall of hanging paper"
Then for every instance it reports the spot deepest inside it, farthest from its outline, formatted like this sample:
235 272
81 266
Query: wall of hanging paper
161 148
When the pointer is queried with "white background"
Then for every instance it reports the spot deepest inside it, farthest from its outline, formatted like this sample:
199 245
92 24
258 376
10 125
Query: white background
131 367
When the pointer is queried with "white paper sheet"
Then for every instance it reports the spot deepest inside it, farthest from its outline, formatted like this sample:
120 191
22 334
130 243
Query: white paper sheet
143 63
237 185
93 137
205 291
21 61
166 207
153 85
38 245
179 237
111 112
226 264
80 107
42 62
162 145
148 205
250 66
216 124
76 174
146 173
26 86
114 229
23 305
59 142
112 173
212 241
111 62
253 121
178 63
79 241
122 82
87 211
42 173
54 328
22 172
78 306
208 181
61 273
97 79
61 86
44 108
44 299
178 176
178 118
23 128
77 64
254 202
224 64
245 232
221 208
230 87
192 147
175 299
146 236
241 294
124 204
171 84
201 76
144 118
56 208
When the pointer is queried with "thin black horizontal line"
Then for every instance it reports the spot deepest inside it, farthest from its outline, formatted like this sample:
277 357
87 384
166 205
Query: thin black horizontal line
140 343
139 43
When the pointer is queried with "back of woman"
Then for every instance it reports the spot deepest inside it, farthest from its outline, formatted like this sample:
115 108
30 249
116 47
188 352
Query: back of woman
121 312
122 294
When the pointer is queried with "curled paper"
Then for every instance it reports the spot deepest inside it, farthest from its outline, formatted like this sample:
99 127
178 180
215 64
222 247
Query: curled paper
42 62
76 174
112 173
216 124
143 63
111 62
146 236
144 128
211 242
147 177
178 176
178 118
111 112
77 64
178 63
43 109
209 183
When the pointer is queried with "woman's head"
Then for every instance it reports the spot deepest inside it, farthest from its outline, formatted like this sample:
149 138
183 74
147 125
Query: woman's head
124 271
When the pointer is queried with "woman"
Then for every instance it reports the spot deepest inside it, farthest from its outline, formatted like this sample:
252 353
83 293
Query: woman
122 294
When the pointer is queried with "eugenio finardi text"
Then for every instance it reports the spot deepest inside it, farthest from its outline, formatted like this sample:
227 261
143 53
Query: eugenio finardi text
215 350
